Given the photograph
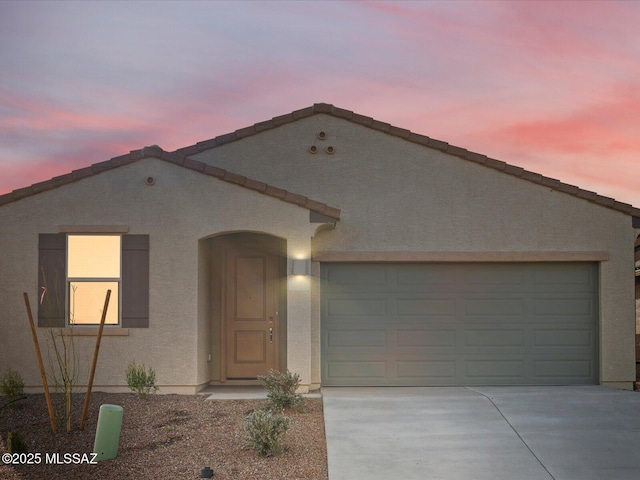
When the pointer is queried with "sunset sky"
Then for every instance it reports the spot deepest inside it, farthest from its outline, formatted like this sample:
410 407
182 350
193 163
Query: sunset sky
551 86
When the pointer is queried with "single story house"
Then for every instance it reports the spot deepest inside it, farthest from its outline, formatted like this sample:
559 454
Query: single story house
342 248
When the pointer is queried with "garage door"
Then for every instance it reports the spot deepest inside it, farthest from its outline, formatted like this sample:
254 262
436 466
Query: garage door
459 324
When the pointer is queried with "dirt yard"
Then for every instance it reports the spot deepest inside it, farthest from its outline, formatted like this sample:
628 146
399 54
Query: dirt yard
168 437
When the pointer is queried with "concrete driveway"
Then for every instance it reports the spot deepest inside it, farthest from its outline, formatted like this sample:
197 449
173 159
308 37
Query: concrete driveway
493 433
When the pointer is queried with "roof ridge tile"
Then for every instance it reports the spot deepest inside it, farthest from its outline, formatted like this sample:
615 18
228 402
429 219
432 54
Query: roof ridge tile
234 178
295 198
399 132
342 113
362 119
44 186
225 138
418 138
513 170
437 144
275 192
172 157
586 194
475 157
381 126
192 164
323 108
496 164
246 131
532 176
101 166
282 119
458 151
302 113
256 185
214 171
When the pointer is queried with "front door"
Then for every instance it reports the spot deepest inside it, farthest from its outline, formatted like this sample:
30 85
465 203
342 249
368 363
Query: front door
251 311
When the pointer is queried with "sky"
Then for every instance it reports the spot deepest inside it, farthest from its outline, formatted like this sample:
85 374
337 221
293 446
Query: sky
550 86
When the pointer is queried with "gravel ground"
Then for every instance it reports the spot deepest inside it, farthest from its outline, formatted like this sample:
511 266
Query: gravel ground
168 437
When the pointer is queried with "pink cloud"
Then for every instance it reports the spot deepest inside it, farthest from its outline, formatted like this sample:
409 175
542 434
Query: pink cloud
612 125
531 83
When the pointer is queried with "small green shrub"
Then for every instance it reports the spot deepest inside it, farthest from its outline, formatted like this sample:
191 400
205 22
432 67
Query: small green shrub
16 442
266 431
141 380
12 384
281 389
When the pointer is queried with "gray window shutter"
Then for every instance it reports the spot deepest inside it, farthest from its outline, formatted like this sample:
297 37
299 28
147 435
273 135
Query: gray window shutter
135 281
52 261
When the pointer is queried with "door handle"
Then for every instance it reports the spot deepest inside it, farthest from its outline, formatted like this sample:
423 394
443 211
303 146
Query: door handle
271 334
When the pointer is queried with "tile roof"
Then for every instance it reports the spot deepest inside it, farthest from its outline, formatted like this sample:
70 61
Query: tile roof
328 109
180 160
181 157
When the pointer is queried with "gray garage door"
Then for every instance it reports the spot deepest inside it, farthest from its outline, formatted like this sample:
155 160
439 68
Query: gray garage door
459 324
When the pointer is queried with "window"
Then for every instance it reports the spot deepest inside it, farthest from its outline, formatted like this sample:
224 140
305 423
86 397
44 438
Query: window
93 267
78 269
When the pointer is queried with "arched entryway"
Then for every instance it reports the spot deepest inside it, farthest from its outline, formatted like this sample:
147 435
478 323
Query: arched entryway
248 305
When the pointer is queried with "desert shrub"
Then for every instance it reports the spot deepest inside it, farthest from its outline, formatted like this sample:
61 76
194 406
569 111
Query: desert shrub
12 384
16 442
64 359
141 380
266 431
281 389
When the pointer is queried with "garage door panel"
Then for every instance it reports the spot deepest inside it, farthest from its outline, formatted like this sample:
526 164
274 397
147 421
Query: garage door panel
367 275
492 338
459 324
570 306
563 274
356 370
357 338
439 276
578 370
422 307
564 338
493 307
357 307
492 371
416 371
504 274
426 338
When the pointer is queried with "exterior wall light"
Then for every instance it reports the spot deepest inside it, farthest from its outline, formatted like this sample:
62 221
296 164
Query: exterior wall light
299 267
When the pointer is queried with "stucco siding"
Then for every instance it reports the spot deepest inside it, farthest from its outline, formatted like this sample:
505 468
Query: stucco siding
395 195
182 207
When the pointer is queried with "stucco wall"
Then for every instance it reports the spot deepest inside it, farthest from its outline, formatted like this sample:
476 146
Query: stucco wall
395 196
180 209
398 196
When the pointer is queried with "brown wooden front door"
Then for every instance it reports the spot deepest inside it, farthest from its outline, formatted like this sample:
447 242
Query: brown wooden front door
251 311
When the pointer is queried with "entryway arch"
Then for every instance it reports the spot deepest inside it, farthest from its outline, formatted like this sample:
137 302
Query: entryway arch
247 304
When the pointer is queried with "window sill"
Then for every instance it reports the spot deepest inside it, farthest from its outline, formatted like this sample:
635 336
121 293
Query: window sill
93 331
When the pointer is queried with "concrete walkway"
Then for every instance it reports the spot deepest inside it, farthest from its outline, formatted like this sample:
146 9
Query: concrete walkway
492 433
